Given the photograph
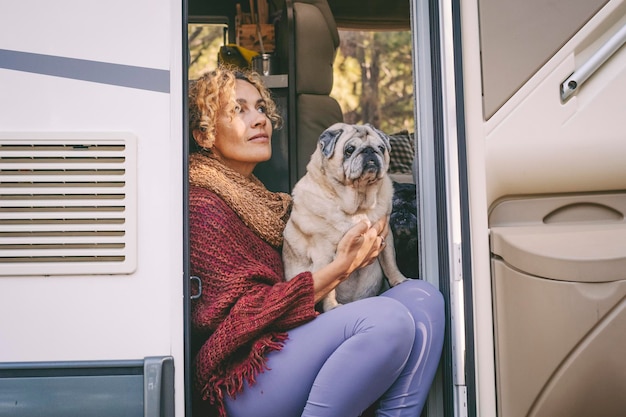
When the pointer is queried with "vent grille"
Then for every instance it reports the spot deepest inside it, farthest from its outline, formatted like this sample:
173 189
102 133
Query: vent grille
67 204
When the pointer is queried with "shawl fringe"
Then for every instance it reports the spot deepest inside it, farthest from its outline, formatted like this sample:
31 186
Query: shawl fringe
231 381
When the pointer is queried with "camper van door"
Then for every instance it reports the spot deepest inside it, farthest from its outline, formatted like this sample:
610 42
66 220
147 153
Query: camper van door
532 105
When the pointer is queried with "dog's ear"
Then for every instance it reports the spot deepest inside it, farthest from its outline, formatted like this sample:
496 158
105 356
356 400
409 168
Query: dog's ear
327 141
382 136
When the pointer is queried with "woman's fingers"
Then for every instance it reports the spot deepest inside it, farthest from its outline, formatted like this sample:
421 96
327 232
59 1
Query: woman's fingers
358 230
382 227
365 242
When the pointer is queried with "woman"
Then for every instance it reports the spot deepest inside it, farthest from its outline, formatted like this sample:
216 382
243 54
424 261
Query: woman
260 348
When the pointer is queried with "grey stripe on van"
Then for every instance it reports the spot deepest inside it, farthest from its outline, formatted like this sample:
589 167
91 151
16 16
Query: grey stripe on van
80 69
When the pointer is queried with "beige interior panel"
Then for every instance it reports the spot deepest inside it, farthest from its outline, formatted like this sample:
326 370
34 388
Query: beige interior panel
537 144
547 181
578 238
583 253
559 345
591 382
518 37
559 296
564 209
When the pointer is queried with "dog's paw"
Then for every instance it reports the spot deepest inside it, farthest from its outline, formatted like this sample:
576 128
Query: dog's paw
398 281
328 305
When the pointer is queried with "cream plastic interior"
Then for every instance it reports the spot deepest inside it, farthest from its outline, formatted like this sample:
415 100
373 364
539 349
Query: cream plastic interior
555 176
559 281
569 238
534 31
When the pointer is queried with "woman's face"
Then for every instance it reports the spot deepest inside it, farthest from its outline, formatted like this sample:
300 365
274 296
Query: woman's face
243 138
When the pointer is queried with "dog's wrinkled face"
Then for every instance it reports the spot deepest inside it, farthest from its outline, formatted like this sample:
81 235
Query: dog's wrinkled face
355 153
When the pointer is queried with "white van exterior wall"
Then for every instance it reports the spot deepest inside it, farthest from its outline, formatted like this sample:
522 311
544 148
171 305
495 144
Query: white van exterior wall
102 317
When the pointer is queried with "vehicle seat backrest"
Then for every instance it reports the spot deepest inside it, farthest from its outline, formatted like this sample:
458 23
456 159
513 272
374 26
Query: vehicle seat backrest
315 40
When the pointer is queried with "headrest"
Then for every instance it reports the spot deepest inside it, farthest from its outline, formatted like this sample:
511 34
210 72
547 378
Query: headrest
317 40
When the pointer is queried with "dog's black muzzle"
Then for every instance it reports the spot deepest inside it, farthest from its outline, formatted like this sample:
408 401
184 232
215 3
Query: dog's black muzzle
371 161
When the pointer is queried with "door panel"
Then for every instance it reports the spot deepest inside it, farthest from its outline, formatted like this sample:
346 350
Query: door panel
559 345
538 144
551 174
559 286
518 37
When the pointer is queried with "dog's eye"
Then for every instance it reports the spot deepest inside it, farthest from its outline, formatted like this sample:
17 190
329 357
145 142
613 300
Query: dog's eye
349 150
382 148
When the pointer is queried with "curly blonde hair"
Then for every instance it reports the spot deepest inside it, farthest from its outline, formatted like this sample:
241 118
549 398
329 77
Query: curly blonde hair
208 94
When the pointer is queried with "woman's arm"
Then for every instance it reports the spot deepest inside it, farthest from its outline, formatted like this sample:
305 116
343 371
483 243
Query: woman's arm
359 247
240 273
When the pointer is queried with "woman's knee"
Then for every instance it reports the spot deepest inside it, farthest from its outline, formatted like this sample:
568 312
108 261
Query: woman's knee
432 296
417 294
392 320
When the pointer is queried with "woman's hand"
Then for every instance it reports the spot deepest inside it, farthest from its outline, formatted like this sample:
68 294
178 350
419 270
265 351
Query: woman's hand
362 244
359 247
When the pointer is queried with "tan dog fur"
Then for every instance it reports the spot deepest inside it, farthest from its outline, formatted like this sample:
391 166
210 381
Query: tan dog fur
346 182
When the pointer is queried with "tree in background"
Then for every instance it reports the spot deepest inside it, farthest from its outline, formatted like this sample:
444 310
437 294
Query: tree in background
204 44
373 79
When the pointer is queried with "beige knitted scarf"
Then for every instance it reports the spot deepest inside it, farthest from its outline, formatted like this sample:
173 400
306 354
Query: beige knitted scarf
263 211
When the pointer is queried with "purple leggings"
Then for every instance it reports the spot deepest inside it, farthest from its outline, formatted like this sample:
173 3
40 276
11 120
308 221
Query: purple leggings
385 347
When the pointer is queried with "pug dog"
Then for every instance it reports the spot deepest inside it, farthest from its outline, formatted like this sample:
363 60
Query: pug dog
346 182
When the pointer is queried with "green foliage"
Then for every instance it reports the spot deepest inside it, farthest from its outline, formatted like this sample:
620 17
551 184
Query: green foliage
373 79
204 44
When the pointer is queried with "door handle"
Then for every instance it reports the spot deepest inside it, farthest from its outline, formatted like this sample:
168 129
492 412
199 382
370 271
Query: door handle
573 83
158 386
197 279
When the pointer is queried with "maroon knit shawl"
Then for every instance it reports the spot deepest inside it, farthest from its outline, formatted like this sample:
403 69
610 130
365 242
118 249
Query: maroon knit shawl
246 306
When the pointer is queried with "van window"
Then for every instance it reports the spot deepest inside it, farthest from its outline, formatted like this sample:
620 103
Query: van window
373 79
205 40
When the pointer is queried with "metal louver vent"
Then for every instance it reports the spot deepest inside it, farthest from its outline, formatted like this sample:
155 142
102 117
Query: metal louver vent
67 204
